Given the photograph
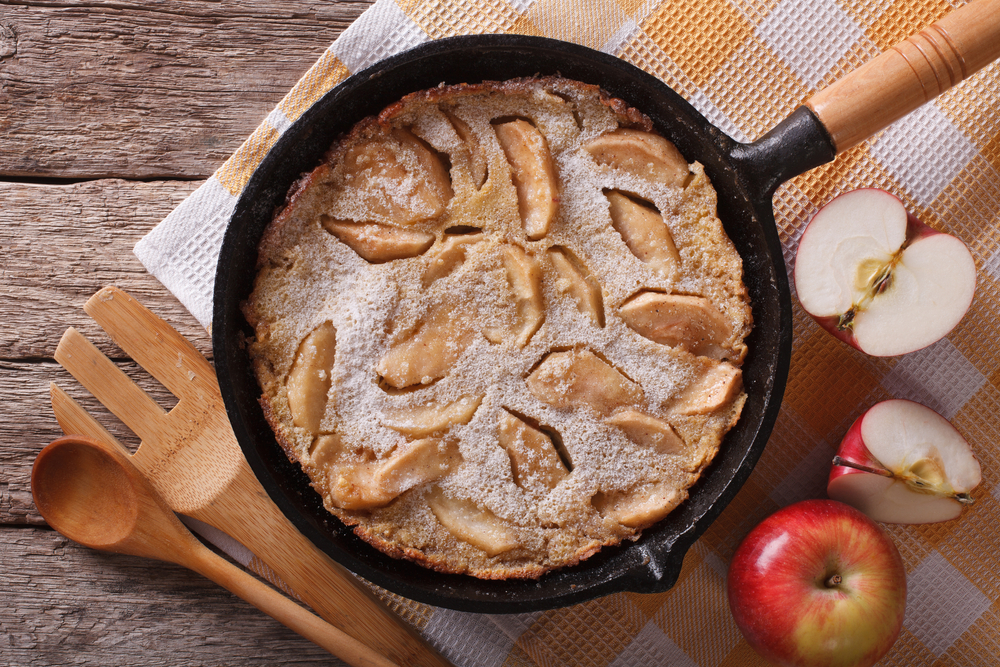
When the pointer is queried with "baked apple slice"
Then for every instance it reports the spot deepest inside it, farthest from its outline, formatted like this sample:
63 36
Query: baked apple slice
902 462
575 280
639 507
717 386
533 173
525 278
642 228
377 243
449 257
424 420
642 154
648 431
308 382
429 353
579 377
470 523
395 178
692 323
533 455
474 157
372 484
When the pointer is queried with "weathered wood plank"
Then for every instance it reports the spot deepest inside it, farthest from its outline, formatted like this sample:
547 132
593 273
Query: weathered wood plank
149 89
29 425
136 89
61 244
64 604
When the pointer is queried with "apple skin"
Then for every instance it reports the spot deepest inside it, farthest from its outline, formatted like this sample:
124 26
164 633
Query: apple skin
780 600
853 449
915 231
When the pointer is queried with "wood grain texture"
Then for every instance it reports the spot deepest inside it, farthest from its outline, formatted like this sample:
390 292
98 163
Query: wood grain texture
59 244
149 89
28 424
159 93
908 75
67 605
193 460
90 491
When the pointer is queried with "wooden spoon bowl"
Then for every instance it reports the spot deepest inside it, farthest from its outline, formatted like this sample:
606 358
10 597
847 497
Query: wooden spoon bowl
91 492
63 482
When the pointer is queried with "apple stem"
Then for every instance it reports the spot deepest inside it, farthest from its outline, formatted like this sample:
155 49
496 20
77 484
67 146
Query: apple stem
833 581
964 498
846 321
838 461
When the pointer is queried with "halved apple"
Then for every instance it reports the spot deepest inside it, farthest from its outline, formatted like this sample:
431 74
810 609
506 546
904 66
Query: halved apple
879 279
902 462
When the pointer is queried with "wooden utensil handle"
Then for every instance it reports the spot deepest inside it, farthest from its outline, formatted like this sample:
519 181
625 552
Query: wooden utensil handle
909 74
282 609
246 513
192 458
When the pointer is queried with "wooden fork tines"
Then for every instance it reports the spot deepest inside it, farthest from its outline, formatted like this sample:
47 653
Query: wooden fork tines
191 456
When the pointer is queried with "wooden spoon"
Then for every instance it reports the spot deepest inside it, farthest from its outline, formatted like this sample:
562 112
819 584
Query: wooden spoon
92 493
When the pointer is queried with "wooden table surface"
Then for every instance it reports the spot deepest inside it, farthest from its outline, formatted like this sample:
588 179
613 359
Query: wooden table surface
111 113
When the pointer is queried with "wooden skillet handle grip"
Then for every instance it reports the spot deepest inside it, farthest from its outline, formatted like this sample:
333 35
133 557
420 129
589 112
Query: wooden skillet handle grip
909 74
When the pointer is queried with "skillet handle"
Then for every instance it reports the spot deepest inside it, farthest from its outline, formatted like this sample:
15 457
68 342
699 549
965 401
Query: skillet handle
909 74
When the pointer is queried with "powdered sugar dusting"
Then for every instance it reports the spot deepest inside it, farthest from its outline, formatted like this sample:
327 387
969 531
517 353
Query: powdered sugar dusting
478 310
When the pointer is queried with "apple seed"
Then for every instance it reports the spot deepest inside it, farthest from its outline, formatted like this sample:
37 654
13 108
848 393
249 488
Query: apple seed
877 283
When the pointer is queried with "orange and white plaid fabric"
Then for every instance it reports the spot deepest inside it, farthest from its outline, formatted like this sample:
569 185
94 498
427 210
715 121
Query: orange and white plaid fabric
745 64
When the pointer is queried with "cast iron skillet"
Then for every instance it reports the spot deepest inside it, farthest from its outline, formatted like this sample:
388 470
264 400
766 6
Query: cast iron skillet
745 176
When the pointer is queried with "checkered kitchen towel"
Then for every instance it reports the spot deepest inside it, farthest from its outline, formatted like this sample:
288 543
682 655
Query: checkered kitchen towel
745 64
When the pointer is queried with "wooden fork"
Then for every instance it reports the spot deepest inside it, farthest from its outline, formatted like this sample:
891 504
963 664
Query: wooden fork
191 456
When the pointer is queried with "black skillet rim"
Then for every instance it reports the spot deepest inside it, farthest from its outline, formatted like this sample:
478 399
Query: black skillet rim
653 562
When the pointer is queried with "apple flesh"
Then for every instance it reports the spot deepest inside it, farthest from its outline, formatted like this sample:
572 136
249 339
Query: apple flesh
879 279
901 462
818 584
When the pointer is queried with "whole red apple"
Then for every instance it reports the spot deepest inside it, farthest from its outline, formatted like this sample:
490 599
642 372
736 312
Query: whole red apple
818 584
